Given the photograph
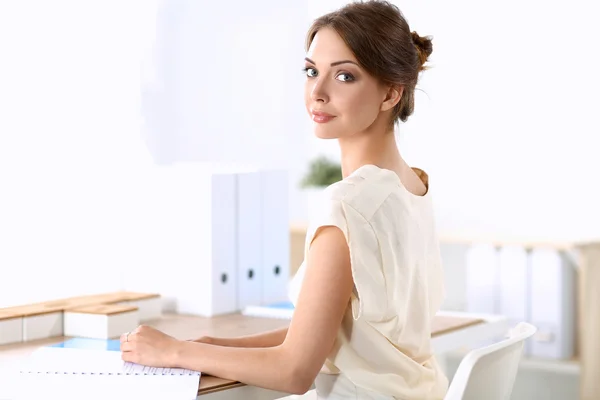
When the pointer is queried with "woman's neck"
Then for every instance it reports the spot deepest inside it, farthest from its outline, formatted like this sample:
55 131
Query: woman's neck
372 148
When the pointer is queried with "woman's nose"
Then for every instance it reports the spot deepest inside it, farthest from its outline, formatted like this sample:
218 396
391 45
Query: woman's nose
319 92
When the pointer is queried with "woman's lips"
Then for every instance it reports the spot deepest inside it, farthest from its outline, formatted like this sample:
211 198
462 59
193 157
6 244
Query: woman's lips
321 117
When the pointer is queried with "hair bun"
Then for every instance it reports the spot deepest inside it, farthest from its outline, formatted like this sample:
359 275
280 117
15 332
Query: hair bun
424 47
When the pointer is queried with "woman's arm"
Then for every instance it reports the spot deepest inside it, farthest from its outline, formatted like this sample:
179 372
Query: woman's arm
267 339
293 365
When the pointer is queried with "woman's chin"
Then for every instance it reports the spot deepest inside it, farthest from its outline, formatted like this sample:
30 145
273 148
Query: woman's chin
322 132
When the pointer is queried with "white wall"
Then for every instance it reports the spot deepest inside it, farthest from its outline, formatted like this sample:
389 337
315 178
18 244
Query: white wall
239 82
70 148
227 85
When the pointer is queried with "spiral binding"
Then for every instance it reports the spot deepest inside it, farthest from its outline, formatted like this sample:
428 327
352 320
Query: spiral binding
106 373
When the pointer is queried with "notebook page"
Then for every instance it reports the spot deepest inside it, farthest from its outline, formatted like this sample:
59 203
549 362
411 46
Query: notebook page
76 361
61 373
105 387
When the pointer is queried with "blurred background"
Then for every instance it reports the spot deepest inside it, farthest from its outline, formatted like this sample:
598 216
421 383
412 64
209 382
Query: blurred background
99 100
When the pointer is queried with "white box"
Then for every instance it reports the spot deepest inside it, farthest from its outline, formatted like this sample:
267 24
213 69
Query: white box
42 326
201 272
552 304
249 240
149 305
11 329
275 236
104 321
148 309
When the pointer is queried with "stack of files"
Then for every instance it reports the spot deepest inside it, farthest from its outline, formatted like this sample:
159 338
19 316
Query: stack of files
534 285
281 310
93 369
263 238
89 344
229 232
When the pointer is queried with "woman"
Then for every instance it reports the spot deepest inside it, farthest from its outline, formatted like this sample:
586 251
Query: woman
372 278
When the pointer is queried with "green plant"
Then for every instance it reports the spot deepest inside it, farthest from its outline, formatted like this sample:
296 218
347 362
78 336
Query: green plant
322 172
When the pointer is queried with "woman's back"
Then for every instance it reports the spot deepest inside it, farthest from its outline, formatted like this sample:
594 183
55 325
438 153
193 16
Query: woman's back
383 347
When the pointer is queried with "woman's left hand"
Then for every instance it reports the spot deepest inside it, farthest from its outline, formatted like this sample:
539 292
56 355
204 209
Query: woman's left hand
151 347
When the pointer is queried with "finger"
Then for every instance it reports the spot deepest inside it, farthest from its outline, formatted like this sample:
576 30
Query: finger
135 336
129 357
127 347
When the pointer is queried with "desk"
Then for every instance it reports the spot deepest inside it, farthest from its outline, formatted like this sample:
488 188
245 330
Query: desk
451 331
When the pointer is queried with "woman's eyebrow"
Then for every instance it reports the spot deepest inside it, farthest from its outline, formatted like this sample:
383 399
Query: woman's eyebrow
333 64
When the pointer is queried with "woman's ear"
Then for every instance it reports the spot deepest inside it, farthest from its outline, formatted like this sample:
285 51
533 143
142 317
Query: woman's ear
393 96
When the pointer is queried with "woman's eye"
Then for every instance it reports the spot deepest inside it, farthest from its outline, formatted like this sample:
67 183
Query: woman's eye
345 77
310 72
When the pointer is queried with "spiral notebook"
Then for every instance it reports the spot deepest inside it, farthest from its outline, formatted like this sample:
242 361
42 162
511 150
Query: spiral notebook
53 372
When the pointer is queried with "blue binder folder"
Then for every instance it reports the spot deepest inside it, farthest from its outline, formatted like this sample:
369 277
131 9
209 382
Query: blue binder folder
90 344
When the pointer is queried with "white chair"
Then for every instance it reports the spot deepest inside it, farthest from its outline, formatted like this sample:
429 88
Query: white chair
489 372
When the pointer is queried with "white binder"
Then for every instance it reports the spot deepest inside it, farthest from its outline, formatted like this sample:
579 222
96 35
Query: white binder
201 274
514 286
249 242
482 279
454 258
275 236
552 304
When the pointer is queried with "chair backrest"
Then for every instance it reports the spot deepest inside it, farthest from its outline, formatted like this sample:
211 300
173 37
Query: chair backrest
489 372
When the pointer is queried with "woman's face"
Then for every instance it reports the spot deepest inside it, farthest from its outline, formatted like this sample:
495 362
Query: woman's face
341 98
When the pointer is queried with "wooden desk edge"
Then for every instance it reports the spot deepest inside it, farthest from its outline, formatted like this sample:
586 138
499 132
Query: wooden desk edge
212 384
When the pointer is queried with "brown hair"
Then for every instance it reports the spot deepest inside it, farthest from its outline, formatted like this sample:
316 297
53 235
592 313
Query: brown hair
380 38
